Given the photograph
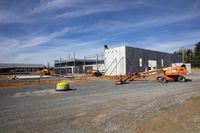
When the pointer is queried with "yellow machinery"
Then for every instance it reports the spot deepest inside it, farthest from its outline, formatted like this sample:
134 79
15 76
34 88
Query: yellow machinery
45 71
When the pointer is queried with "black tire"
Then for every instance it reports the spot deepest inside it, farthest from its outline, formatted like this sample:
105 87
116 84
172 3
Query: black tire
163 80
158 78
181 79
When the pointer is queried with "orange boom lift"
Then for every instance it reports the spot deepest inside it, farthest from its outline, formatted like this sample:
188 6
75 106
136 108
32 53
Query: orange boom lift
173 74
166 74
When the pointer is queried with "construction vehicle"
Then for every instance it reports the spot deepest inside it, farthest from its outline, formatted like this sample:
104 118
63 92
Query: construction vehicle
96 73
173 74
45 71
163 75
121 80
126 79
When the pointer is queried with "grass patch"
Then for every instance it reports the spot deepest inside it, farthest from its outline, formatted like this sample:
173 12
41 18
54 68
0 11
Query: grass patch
196 69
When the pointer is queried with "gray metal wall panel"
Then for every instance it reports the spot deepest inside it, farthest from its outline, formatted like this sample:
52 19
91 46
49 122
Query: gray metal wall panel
133 55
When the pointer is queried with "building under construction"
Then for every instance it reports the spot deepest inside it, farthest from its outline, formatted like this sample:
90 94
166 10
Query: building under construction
72 66
119 60
125 59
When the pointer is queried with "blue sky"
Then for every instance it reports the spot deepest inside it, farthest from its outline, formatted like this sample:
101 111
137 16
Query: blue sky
40 31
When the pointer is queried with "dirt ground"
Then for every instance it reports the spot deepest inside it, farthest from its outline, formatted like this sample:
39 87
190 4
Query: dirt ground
102 107
36 83
184 118
5 83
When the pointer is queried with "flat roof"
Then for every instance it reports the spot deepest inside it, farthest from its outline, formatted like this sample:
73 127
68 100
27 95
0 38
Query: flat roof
19 65
78 62
138 49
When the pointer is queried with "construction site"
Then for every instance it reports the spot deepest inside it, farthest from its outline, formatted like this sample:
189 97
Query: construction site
123 89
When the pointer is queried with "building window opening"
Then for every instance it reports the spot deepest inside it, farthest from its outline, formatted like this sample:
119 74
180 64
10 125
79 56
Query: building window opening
162 63
140 62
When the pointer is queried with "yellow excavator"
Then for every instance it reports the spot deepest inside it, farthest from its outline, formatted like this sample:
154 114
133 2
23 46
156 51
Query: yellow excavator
45 71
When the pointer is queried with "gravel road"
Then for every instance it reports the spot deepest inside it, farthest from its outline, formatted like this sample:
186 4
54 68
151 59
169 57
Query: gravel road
90 107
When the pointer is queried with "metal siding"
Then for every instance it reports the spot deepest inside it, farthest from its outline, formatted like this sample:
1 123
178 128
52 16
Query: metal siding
133 55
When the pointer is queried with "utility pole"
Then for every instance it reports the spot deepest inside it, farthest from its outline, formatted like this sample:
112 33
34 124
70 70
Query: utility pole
60 67
74 62
69 57
97 62
66 66
84 64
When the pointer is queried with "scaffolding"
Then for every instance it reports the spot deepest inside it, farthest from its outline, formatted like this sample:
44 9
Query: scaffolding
97 65
73 65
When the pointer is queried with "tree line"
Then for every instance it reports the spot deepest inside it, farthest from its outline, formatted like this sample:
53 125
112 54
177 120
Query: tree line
190 55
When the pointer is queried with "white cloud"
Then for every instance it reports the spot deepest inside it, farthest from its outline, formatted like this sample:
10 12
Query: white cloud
50 54
171 46
157 21
11 17
19 50
94 9
10 46
84 12
17 47
41 39
31 41
49 5
186 40
76 8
